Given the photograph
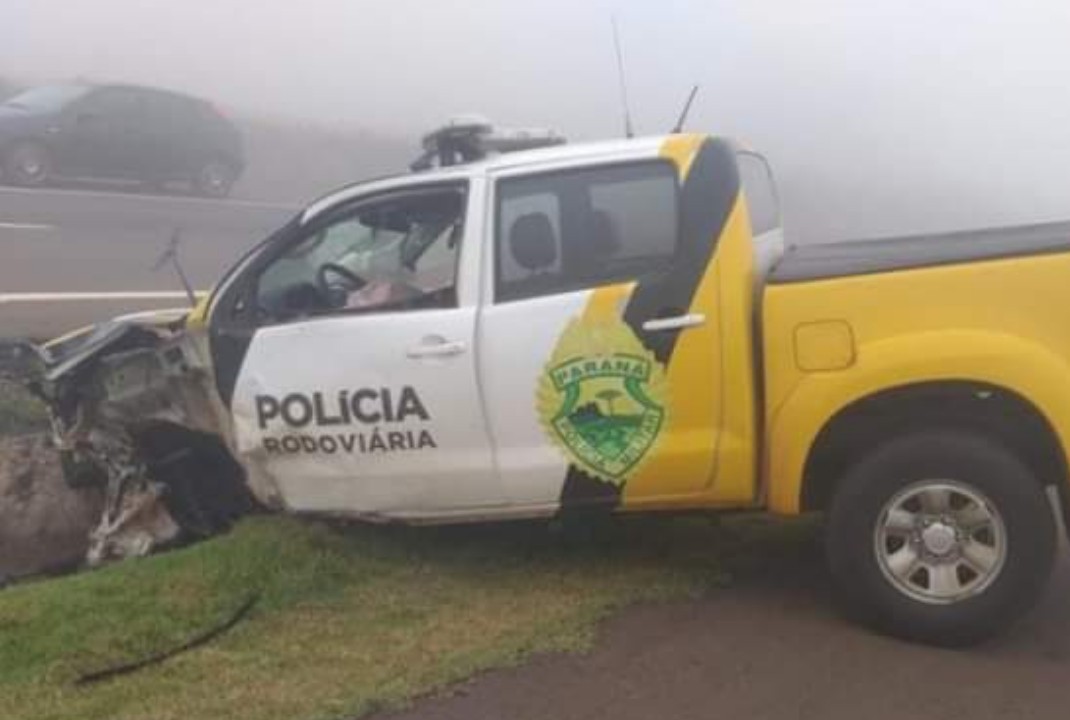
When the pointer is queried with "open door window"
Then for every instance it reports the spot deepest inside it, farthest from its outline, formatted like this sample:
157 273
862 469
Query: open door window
393 254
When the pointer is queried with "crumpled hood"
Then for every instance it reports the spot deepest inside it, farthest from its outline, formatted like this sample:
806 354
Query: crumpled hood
69 352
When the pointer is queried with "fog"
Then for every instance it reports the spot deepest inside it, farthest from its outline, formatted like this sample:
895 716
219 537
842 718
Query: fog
878 117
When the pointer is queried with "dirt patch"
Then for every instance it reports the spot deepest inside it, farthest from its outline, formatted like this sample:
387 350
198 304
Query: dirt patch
44 524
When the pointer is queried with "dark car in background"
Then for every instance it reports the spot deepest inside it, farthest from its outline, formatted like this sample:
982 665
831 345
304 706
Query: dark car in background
118 132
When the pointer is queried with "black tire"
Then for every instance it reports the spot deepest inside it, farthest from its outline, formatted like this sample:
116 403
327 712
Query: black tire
27 164
864 582
215 179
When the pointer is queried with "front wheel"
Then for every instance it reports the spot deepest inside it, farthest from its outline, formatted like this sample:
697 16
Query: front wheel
27 164
943 537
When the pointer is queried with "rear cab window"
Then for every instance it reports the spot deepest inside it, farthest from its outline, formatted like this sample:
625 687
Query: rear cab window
563 231
760 191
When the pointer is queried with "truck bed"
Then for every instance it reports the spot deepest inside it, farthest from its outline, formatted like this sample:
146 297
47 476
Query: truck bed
863 257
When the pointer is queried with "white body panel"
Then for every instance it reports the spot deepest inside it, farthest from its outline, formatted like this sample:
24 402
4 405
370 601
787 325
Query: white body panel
433 351
515 340
374 352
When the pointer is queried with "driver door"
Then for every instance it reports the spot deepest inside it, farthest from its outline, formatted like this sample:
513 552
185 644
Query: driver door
357 393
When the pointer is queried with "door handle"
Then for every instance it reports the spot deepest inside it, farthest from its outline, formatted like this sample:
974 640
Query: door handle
678 322
436 347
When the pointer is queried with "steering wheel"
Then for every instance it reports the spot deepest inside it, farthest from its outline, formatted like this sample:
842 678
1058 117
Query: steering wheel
333 292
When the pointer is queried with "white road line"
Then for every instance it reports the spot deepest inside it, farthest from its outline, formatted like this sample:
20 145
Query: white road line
25 226
121 196
9 298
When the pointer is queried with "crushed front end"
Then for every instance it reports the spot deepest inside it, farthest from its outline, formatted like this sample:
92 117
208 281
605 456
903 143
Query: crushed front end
133 411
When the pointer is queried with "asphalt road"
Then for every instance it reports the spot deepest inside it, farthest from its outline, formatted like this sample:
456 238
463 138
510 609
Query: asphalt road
771 647
72 256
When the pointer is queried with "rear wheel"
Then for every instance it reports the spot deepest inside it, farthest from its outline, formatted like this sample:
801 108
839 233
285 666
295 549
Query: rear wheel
215 179
27 164
944 537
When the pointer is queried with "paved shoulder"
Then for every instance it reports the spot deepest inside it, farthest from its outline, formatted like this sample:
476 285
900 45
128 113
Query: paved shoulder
771 648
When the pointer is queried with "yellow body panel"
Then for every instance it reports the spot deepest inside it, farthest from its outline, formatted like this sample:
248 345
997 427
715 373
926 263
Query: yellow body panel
684 462
706 456
711 380
739 433
825 345
198 317
713 392
681 150
994 321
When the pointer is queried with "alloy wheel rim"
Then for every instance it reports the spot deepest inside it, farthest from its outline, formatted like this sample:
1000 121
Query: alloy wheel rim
940 541
214 177
30 165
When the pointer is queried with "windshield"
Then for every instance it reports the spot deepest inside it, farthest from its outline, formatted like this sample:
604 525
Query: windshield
385 254
387 244
47 98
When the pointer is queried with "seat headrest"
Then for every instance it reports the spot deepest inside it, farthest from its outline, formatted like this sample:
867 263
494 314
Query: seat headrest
533 242
605 241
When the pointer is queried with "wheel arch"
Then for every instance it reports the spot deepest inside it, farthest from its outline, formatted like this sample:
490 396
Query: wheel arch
997 412
909 378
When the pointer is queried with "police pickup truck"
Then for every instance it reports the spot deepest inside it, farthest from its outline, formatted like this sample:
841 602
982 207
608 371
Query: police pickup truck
612 326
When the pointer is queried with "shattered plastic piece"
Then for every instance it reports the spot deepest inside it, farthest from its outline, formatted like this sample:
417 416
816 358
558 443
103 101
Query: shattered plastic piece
138 524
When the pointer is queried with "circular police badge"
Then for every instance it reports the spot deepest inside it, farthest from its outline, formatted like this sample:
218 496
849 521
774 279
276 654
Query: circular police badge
602 398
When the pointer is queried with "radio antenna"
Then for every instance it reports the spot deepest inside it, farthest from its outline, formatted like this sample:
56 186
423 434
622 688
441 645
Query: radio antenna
628 132
170 256
679 127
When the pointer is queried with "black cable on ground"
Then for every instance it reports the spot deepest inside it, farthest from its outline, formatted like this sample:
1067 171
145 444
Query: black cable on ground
196 641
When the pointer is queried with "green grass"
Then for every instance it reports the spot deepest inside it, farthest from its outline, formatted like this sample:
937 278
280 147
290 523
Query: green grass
351 619
20 412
